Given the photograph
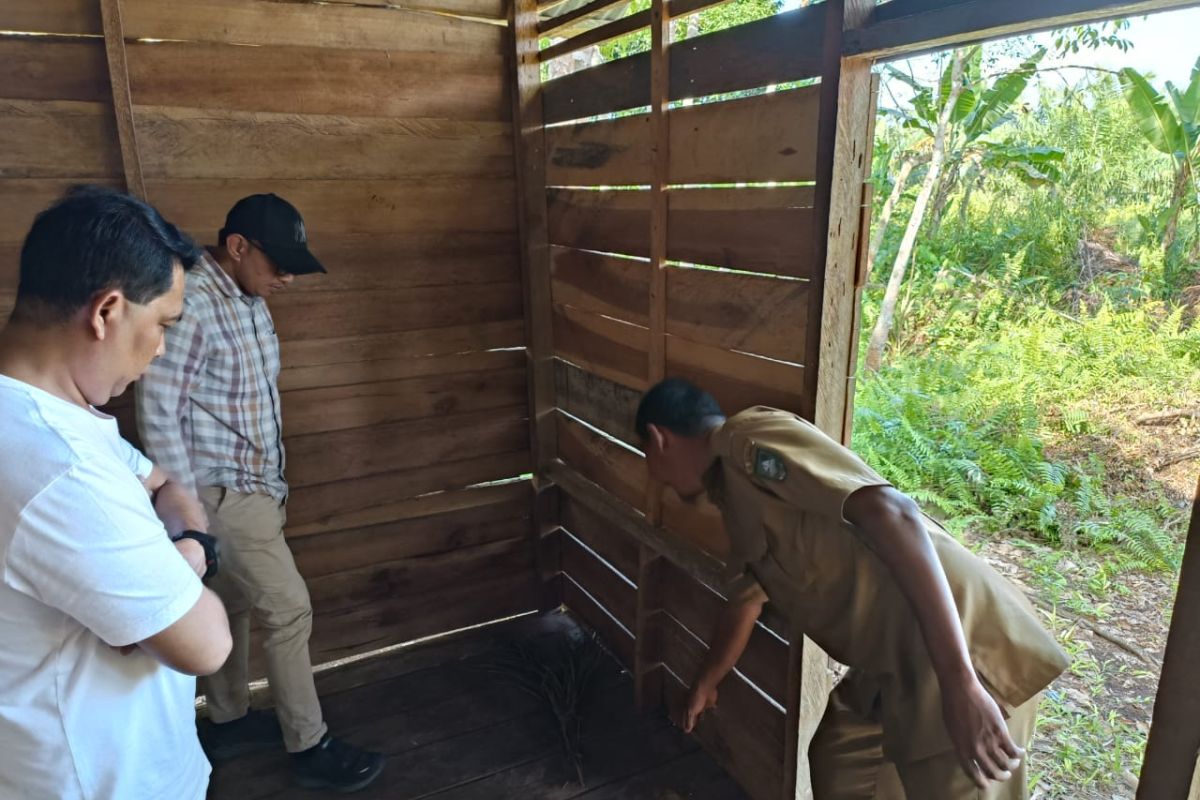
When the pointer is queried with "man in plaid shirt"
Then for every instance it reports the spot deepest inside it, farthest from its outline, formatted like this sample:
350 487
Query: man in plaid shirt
209 415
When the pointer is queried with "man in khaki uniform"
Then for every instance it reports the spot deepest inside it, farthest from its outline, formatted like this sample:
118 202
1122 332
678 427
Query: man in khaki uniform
947 659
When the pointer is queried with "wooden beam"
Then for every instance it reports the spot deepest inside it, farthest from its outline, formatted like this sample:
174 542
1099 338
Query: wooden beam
843 164
546 27
118 73
910 27
700 566
535 270
597 35
1175 731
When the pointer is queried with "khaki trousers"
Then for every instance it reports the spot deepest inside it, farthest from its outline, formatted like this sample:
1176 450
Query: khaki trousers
847 759
258 575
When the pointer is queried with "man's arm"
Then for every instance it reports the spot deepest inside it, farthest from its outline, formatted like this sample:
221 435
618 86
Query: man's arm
176 505
892 526
734 627
198 643
163 395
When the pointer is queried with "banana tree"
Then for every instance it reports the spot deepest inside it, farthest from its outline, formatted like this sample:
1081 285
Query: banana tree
1173 128
958 118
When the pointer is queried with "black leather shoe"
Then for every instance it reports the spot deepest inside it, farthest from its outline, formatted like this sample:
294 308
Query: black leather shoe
255 731
337 765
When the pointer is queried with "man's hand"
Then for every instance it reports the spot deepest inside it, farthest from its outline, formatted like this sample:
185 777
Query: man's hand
980 737
193 553
701 698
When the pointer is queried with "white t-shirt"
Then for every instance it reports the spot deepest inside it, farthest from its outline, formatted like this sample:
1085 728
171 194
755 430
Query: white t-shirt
87 565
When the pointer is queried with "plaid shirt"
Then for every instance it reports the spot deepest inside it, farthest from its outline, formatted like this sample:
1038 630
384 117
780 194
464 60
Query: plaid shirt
208 408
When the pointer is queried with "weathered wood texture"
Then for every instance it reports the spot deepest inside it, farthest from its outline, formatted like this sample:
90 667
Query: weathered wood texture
1170 761
403 381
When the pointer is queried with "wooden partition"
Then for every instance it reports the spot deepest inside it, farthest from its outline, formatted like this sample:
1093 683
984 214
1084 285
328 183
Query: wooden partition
404 381
681 202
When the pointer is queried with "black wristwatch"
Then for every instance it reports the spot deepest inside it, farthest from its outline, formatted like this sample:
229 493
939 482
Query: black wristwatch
212 550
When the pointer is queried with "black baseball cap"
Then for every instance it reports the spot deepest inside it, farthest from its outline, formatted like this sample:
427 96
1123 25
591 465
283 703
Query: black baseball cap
276 227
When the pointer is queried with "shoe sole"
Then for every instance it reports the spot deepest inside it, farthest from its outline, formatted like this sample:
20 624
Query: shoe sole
305 782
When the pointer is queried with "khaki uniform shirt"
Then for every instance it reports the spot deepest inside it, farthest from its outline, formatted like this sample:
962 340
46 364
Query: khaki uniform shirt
780 484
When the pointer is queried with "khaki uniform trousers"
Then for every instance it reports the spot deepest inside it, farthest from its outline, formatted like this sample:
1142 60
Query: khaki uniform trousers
258 575
847 758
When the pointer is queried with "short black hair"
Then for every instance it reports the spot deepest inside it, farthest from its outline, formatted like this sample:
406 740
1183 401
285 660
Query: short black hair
93 240
679 406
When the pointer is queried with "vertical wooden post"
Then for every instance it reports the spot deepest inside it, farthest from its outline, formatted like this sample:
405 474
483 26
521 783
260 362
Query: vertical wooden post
1170 763
648 685
530 154
843 164
118 73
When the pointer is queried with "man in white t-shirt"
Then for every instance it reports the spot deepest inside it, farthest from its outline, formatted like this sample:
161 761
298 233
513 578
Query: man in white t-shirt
103 618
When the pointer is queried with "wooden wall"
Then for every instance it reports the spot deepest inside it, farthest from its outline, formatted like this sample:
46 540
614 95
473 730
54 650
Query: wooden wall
680 239
404 381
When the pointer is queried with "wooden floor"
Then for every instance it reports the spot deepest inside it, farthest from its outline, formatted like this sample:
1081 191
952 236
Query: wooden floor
455 729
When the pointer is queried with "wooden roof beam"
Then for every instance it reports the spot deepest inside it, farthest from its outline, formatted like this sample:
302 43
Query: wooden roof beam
911 27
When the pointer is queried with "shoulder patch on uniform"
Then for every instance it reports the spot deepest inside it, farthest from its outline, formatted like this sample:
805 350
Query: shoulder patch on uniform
768 464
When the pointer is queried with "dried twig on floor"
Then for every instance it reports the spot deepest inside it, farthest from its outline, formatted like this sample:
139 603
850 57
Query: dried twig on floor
1186 455
1111 638
1168 416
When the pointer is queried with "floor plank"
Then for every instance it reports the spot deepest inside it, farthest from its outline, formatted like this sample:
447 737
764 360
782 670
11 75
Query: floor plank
455 727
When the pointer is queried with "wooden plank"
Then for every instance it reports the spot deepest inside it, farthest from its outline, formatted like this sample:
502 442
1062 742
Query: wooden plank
744 733
611 543
911 27
411 538
427 342
359 452
1170 759
697 608
20 201
601 403
589 612
215 143
781 48
394 369
467 9
348 207
320 80
327 315
737 380
759 230
606 347
365 586
254 22
770 137
118 73
662 223
599 580
753 314
339 505
464 494
75 17
400 619
418 258
334 408
616 469
583 12
58 139
71 69
526 92
601 284
598 35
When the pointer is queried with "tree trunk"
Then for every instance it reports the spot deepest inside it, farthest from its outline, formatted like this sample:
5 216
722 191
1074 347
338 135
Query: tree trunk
1183 181
887 311
885 214
941 198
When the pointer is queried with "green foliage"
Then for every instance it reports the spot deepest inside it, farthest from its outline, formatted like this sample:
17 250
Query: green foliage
985 376
710 20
